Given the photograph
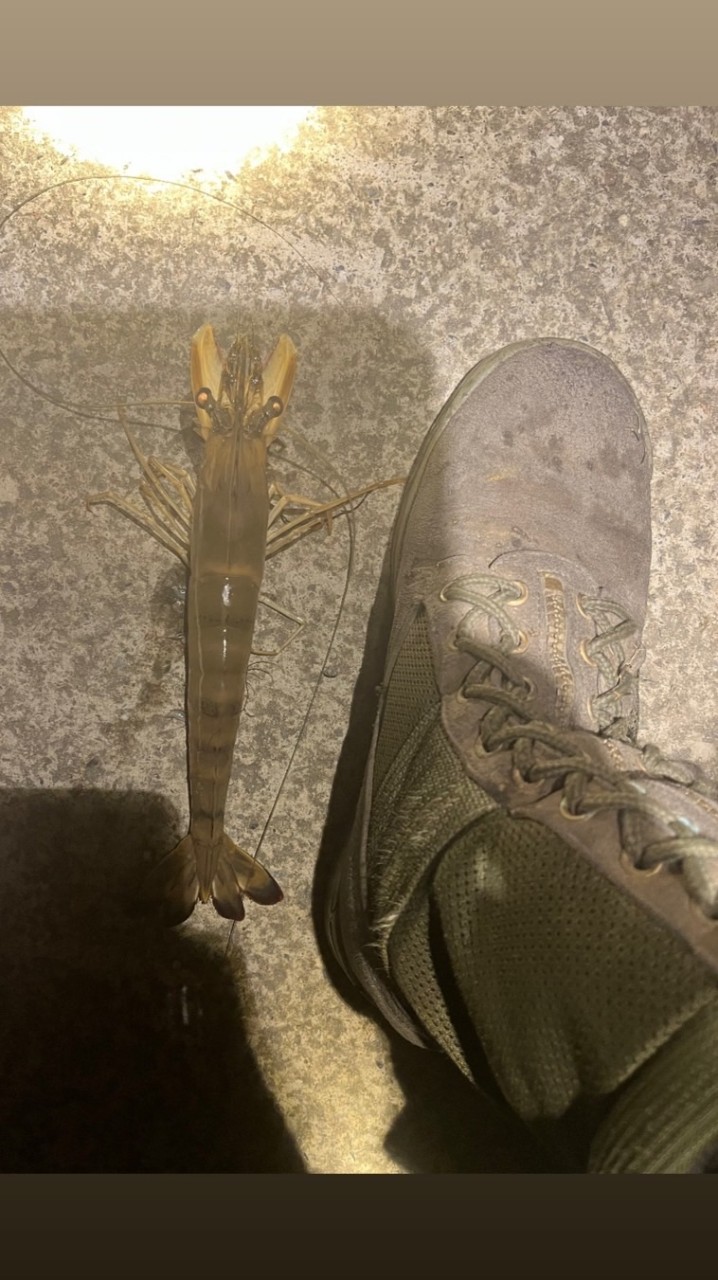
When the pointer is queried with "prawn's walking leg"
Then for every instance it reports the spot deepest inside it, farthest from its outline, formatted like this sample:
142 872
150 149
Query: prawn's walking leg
168 491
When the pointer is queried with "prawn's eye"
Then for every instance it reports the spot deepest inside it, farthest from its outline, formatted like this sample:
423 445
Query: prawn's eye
205 400
273 407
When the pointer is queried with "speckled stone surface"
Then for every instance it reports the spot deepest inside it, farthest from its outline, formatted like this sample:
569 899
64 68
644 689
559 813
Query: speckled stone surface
397 246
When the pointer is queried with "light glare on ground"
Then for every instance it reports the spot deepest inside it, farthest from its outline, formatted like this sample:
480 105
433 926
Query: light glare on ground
169 142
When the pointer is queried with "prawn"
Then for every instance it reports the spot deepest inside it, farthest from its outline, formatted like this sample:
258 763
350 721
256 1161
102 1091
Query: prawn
223 528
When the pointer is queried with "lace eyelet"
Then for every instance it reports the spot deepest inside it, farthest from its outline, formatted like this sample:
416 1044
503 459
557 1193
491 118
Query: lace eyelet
523 644
579 605
575 817
630 866
582 651
522 596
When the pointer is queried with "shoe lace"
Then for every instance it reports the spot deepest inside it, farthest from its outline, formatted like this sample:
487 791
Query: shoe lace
605 650
543 752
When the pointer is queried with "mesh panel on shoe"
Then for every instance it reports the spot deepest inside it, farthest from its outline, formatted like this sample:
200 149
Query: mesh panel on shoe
412 689
565 983
569 984
435 797
417 769
414 970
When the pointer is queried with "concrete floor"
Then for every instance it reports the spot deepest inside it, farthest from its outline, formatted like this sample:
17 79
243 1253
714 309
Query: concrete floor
396 246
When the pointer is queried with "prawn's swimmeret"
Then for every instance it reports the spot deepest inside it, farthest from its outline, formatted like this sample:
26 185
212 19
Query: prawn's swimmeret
221 528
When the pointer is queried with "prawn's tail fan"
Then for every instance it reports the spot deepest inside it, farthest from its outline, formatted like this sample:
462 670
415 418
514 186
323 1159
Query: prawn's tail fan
171 888
238 875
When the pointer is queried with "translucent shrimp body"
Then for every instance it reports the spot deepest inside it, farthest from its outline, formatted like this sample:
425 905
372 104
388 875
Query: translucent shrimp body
222 527
239 408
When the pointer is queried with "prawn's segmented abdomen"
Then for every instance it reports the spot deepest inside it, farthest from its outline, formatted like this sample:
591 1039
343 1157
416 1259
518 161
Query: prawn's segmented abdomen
226 568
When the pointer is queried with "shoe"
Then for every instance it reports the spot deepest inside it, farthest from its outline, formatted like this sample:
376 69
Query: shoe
522 880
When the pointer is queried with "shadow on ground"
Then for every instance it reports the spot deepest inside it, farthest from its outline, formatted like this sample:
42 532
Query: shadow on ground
123 1048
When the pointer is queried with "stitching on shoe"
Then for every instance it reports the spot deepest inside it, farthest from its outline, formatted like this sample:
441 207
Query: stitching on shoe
555 598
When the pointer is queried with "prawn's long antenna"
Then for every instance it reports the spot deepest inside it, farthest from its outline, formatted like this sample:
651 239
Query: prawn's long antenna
85 413
168 182
351 524
185 186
